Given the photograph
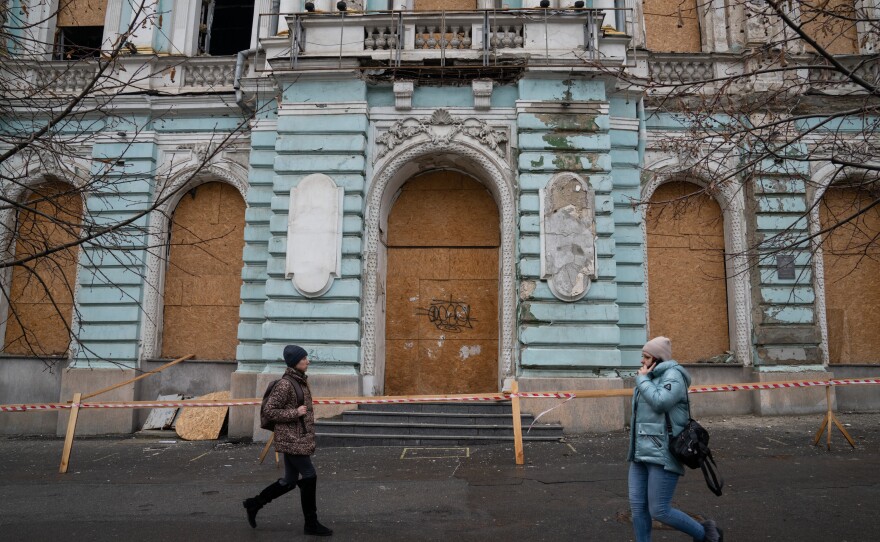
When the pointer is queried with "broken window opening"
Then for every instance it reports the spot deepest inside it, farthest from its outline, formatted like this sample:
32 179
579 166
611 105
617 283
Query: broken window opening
225 27
78 42
80 29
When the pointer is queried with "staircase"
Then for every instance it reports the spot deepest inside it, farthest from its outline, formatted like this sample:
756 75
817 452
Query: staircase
429 424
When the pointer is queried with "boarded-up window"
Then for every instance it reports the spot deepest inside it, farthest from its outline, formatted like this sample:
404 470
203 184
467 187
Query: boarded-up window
687 290
81 12
41 294
203 278
672 26
851 258
832 23
80 28
444 5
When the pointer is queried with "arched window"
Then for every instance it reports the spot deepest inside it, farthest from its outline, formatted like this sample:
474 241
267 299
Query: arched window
41 292
687 287
672 26
203 277
851 262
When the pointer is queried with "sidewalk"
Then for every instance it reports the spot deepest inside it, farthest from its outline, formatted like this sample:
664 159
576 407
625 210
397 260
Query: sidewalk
779 487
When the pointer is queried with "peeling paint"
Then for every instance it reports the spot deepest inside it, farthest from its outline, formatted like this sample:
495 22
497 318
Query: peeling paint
557 141
468 351
526 289
581 122
539 162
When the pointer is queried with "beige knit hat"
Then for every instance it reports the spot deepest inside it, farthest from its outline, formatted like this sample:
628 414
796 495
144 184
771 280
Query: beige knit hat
659 347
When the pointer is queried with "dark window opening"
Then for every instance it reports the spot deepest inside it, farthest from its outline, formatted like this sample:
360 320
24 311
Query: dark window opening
225 27
78 42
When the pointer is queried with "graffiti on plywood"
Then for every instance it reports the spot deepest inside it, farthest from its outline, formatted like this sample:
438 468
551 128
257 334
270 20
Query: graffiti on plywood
448 315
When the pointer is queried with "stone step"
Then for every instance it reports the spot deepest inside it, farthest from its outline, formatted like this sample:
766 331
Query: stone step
429 429
432 417
338 440
463 407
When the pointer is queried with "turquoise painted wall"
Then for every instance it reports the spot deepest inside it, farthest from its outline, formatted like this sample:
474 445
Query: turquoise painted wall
628 235
275 314
111 287
556 335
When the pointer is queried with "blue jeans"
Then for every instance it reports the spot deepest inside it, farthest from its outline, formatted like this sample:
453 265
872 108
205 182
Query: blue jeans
650 492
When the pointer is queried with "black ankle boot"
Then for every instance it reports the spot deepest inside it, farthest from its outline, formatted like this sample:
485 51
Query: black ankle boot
713 533
308 492
266 496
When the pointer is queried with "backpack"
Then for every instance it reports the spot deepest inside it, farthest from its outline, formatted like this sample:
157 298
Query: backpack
266 423
691 447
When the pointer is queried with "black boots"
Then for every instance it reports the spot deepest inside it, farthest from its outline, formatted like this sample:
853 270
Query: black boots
307 487
266 496
713 533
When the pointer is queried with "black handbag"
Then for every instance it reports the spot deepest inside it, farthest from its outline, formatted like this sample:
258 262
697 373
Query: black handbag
691 448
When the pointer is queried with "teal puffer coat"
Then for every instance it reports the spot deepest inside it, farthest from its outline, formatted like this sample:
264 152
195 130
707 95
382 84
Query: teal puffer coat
662 390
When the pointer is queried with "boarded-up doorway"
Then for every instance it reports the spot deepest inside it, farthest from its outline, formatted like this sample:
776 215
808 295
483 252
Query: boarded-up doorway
851 258
203 280
441 333
687 289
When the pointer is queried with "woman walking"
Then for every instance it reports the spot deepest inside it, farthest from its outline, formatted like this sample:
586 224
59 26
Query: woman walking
290 406
661 389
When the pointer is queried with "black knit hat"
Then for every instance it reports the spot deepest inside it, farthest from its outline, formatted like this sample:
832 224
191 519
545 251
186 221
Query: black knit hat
293 354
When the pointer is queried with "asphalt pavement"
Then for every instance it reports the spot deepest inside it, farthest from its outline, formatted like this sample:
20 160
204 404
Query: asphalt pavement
778 487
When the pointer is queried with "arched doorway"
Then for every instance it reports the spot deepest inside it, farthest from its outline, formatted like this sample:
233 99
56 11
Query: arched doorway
687 287
441 329
851 262
203 277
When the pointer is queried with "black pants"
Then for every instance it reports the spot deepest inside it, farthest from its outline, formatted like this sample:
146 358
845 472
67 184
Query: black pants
296 466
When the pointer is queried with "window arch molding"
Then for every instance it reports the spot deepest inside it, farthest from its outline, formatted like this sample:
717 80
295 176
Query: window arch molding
187 178
730 197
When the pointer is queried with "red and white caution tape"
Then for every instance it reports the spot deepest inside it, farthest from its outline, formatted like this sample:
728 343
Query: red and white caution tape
428 399
780 385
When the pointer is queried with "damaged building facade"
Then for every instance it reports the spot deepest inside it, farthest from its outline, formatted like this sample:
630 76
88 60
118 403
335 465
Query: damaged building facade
432 200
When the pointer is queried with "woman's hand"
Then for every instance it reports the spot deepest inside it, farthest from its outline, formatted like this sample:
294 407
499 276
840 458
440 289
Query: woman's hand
301 411
645 369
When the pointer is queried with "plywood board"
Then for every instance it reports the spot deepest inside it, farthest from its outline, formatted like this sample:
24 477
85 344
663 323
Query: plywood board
836 33
444 5
851 258
687 287
461 309
202 423
203 280
34 325
672 26
453 212
211 332
441 292
162 418
81 12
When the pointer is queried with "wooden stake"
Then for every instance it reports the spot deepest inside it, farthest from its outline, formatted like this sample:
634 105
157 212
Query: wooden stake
829 422
266 448
135 379
517 425
71 430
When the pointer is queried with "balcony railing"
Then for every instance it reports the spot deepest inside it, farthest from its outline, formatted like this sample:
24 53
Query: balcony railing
134 73
481 37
